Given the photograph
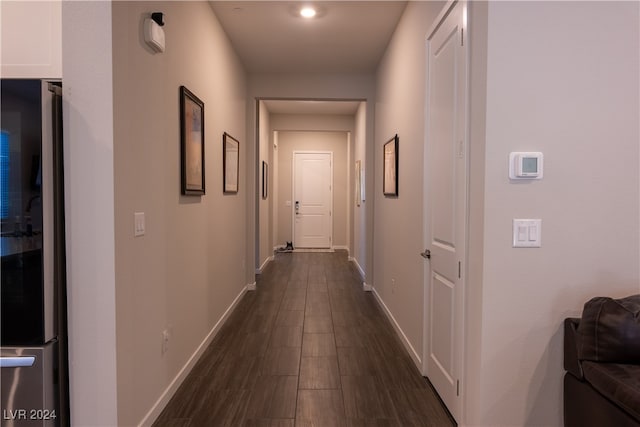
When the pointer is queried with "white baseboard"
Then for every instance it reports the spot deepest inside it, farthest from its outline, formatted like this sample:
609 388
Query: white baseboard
264 264
341 248
412 352
251 286
160 404
360 270
367 287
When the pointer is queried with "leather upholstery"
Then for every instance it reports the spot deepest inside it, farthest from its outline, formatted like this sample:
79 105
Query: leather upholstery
571 362
602 360
609 330
618 382
585 407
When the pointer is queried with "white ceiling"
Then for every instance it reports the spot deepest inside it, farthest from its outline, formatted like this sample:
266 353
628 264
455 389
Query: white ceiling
345 37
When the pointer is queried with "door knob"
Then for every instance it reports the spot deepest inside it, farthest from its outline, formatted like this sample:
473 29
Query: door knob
426 254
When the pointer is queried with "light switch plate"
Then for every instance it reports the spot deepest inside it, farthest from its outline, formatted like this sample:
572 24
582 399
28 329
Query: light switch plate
527 233
139 225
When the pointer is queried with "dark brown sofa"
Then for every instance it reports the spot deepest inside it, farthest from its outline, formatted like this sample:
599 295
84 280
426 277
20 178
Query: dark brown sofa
602 360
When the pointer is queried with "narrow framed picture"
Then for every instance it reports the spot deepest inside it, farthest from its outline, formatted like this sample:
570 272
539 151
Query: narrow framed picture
358 182
230 163
191 143
265 180
390 168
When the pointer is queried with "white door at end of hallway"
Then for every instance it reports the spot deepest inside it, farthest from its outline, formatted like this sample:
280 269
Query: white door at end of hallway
446 194
312 195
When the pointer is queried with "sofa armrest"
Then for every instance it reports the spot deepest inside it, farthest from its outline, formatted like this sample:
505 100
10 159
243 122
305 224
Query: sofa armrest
571 361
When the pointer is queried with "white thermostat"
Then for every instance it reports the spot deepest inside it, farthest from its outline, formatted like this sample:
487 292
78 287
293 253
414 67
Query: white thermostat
525 165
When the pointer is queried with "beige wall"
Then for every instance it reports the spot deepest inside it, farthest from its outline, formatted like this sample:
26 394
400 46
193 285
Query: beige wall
305 122
477 36
335 142
547 90
309 86
190 266
89 212
398 222
265 210
310 122
359 229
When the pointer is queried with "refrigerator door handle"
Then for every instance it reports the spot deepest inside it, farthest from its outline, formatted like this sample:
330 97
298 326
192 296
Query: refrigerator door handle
17 362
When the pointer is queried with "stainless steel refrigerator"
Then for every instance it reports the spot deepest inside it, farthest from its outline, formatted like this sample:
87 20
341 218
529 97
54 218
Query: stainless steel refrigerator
33 355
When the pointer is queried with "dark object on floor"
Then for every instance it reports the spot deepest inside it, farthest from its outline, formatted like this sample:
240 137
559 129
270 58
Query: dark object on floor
602 360
287 248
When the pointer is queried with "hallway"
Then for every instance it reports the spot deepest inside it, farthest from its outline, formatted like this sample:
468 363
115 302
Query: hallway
307 348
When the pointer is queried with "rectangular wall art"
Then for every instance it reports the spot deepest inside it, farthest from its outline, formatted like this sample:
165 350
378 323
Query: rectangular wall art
265 180
230 156
390 168
191 143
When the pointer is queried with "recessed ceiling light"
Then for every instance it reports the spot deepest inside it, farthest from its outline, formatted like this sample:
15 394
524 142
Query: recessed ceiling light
307 12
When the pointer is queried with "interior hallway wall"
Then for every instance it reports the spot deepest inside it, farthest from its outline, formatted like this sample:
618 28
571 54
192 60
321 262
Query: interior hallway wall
561 78
359 240
308 86
265 210
336 142
399 222
315 132
88 128
189 267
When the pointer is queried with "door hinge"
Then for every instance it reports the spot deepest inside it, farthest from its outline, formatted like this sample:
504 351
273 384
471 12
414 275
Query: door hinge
458 388
461 36
459 269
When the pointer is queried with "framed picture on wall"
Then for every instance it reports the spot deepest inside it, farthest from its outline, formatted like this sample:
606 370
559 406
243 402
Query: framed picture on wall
358 182
230 163
390 168
191 143
265 180
363 186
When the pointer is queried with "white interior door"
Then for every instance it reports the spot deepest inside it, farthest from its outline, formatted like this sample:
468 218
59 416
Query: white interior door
447 196
312 195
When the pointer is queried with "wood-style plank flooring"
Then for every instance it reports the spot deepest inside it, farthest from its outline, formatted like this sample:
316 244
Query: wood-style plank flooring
308 348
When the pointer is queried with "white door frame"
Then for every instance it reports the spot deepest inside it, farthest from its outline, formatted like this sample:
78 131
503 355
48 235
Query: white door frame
274 189
464 150
293 190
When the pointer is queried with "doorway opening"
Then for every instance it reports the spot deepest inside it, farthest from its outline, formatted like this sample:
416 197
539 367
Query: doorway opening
304 126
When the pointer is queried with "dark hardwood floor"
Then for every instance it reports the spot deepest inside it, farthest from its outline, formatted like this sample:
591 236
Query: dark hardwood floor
308 348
